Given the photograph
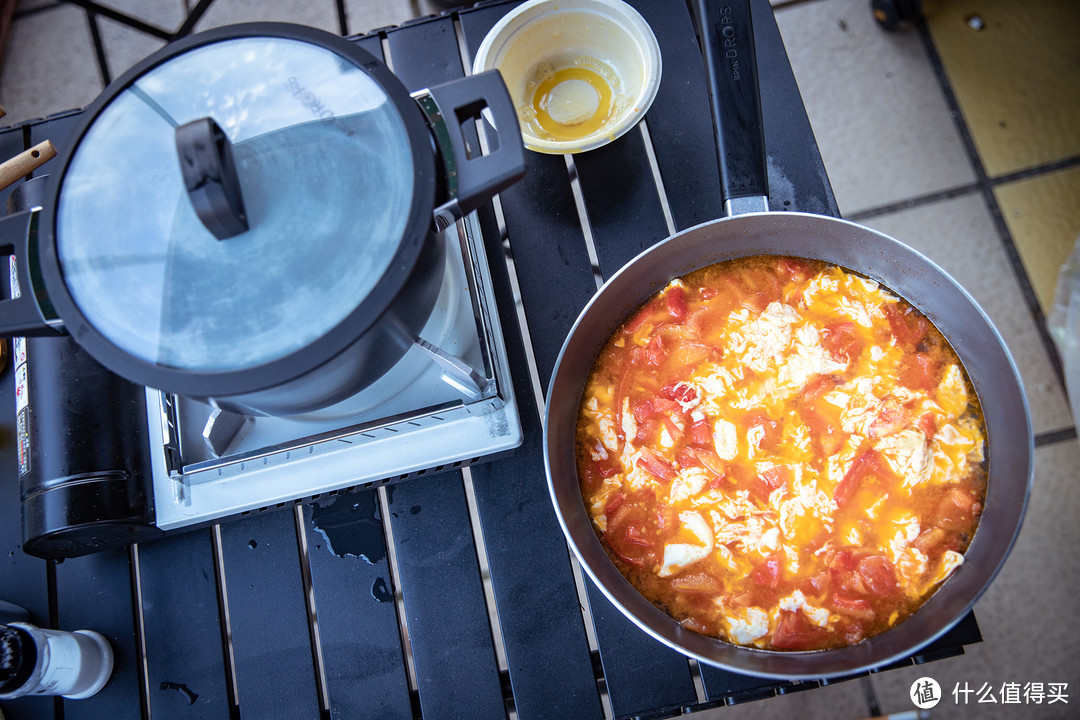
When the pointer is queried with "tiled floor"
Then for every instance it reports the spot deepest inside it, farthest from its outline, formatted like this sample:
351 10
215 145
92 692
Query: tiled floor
962 142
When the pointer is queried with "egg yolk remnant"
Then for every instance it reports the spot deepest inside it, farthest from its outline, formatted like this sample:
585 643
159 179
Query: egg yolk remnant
781 453
570 103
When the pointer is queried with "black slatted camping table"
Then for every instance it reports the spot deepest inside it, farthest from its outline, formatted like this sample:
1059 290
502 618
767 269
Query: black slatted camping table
255 617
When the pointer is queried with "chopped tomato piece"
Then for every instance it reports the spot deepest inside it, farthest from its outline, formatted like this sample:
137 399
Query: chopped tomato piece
856 607
769 480
639 319
759 290
826 431
957 510
879 575
711 461
794 632
841 341
698 582
674 431
691 354
688 458
647 429
696 625
817 387
919 372
867 463
820 581
631 534
642 409
594 472
891 419
675 303
614 502
654 463
774 430
928 425
929 539
767 574
663 404
656 351
794 269
700 433
636 536
908 326
679 392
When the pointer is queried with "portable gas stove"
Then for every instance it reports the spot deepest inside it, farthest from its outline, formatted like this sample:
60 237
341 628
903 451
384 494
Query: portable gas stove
446 404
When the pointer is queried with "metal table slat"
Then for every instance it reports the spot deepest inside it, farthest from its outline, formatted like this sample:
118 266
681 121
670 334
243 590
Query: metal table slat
425 52
551 242
621 200
546 646
722 685
94 593
180 612
547 649
642 674
354 601
680 120
626 217
275 671
453 651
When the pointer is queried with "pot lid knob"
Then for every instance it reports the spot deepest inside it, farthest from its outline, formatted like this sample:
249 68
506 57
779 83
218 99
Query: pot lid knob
206 162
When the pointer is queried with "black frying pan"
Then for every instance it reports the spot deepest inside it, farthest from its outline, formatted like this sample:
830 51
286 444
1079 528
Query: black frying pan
750 230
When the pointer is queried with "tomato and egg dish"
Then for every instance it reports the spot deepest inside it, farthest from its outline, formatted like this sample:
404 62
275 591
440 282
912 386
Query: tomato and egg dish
781 453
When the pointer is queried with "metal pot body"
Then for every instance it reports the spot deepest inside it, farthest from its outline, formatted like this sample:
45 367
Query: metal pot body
373 351
977 343
332 166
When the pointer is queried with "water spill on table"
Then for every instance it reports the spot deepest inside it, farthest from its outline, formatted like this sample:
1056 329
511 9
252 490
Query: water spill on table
352 527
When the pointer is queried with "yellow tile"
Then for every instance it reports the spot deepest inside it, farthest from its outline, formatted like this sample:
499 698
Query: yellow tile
1043 215
1017 80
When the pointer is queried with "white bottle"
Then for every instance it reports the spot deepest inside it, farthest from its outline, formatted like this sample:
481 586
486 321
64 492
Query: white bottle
38 661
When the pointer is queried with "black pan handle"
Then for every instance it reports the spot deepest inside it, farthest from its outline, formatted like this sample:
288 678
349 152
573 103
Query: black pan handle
478 177
21 316
727 43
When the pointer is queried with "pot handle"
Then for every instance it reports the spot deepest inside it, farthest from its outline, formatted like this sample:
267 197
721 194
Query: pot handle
21 316
477 177
727 42
210 178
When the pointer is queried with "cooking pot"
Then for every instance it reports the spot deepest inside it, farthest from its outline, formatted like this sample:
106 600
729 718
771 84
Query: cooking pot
726 36
251 216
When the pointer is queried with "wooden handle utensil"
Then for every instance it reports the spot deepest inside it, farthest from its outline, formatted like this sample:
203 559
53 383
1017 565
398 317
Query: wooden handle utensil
26 162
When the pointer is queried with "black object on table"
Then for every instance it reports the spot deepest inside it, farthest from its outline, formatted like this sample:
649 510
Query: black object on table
259 617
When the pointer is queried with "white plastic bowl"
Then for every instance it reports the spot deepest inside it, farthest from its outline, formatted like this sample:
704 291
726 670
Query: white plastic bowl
554 44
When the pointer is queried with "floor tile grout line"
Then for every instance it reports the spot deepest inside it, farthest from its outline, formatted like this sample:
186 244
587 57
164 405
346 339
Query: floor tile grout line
1055 437
99 47
1028 173
985 187
913 202
961 190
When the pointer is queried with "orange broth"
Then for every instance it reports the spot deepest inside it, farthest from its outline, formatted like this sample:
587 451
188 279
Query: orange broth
782 454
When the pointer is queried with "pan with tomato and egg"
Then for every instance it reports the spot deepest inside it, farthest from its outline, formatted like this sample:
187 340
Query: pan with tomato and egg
788 445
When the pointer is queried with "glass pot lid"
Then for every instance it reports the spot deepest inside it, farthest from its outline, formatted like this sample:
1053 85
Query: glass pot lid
332 179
